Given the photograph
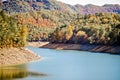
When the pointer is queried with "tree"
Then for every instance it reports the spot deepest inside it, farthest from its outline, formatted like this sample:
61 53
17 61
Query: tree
12 33
115 35
69 32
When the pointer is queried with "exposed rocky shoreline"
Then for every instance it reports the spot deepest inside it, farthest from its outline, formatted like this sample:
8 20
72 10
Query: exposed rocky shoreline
92 48
14 56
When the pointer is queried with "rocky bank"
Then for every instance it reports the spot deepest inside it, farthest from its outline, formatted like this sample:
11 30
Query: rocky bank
82 47
14 56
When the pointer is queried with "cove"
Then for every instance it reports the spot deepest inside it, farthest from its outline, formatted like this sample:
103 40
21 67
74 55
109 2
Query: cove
65 65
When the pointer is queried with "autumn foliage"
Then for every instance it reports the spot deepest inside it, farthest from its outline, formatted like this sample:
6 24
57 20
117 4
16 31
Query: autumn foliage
12 32
99 28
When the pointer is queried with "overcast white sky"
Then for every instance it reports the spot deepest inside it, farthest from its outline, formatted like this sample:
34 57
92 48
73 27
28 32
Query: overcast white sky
95 2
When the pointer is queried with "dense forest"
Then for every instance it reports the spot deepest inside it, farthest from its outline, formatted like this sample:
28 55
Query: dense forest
57 27
99 28
12 32
38 23
41 24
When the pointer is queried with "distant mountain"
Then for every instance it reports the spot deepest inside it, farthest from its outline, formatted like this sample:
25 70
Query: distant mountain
112 8
90 9
37 5
16 6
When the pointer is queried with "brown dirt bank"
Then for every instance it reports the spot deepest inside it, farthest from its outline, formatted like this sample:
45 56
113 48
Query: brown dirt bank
37 44
92 48
13 56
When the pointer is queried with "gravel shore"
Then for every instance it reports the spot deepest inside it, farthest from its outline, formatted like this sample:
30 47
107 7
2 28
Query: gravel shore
82 47
14 56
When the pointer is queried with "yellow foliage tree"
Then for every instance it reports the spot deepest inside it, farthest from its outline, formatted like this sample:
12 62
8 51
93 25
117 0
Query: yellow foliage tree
69 32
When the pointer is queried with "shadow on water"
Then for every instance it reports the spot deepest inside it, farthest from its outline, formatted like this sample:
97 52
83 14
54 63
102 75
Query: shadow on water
11 73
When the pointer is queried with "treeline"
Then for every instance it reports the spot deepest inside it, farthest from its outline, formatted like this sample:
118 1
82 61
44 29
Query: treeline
99 28
12 31
15 29
58 27
41 24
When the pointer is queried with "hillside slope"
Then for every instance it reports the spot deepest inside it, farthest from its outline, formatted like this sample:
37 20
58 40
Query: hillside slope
37 5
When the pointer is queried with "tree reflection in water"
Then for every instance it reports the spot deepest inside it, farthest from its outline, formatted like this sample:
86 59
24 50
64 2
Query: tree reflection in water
11 73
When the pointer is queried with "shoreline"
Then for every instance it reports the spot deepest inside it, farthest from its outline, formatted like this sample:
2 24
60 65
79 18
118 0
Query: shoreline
81 47
17 56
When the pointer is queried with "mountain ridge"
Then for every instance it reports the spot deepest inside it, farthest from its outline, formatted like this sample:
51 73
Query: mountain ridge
37 5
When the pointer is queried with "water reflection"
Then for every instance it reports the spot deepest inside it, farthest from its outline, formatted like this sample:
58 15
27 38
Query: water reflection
11 73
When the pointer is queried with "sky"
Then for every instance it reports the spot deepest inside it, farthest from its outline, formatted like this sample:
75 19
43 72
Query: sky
94 2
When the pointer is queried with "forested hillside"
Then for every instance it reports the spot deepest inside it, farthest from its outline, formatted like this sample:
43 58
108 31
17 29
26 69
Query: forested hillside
16 6
12 32
57 22
99 28
41 24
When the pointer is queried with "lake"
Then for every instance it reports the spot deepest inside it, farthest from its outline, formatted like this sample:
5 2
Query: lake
65 65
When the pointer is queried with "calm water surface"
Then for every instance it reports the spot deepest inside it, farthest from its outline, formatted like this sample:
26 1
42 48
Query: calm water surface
65 65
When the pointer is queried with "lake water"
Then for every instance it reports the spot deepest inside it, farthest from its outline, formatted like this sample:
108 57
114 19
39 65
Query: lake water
65 65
